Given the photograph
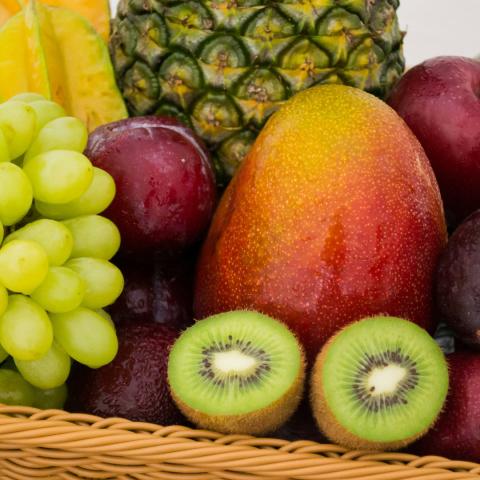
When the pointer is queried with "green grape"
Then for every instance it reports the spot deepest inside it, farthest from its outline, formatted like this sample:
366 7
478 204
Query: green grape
17 120
59 176
3 354
53 398
105 315
4 151
14 390
95 200
23 266
65 133
86 336
28 97
93 236
25 329
15 195
54 237
2 233
61 291
50 371
104 281
3 299
45 111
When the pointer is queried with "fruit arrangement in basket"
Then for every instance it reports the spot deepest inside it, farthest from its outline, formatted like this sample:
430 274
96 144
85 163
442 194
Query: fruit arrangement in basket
278 230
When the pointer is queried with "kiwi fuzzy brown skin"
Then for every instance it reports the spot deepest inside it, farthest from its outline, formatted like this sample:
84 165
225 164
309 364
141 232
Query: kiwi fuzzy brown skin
328 424
259 422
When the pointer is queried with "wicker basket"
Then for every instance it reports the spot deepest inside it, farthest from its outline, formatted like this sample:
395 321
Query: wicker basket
57 445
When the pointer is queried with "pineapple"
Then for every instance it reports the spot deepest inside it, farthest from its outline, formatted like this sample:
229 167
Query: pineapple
224 66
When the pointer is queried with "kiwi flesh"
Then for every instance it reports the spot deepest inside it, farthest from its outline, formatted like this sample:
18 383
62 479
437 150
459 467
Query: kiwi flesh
379 384
237 372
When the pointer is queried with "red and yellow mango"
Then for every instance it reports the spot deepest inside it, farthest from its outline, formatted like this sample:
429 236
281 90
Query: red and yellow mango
334 216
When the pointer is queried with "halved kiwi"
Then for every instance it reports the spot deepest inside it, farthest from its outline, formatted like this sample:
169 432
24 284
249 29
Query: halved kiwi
379 384
237 372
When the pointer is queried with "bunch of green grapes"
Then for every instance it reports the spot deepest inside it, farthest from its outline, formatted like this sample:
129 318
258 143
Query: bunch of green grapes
55 273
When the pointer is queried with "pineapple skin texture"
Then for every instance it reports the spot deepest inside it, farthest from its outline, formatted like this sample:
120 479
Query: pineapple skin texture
343 224
224 67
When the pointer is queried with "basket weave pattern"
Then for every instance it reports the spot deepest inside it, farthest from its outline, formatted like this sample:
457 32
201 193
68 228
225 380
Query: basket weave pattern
57 445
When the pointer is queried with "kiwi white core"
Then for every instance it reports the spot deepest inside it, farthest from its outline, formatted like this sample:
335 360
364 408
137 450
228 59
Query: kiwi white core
385 380
234 361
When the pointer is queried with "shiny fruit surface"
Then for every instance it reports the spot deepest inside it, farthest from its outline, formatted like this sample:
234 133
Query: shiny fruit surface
88 337
457 286
98 196
455 435
334 216
54 237
159 291
15 194
23 266
165 183
134 385
440 101
25 329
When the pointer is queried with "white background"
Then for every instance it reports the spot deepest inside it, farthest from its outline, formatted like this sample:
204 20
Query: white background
436 27
440 27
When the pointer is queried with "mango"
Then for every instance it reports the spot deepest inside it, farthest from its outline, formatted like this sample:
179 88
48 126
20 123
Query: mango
96 11
57 53
334 216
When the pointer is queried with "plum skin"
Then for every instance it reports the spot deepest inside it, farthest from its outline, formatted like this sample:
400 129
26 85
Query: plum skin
457 286
134 385
156 290
456 434
166 191
439 100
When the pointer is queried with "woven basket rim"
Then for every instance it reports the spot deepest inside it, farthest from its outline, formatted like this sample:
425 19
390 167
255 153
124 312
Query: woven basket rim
56 444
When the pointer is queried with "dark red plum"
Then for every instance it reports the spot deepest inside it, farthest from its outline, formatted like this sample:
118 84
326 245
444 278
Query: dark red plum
440 101
134 385
456 434
156 290
458 281
166 189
